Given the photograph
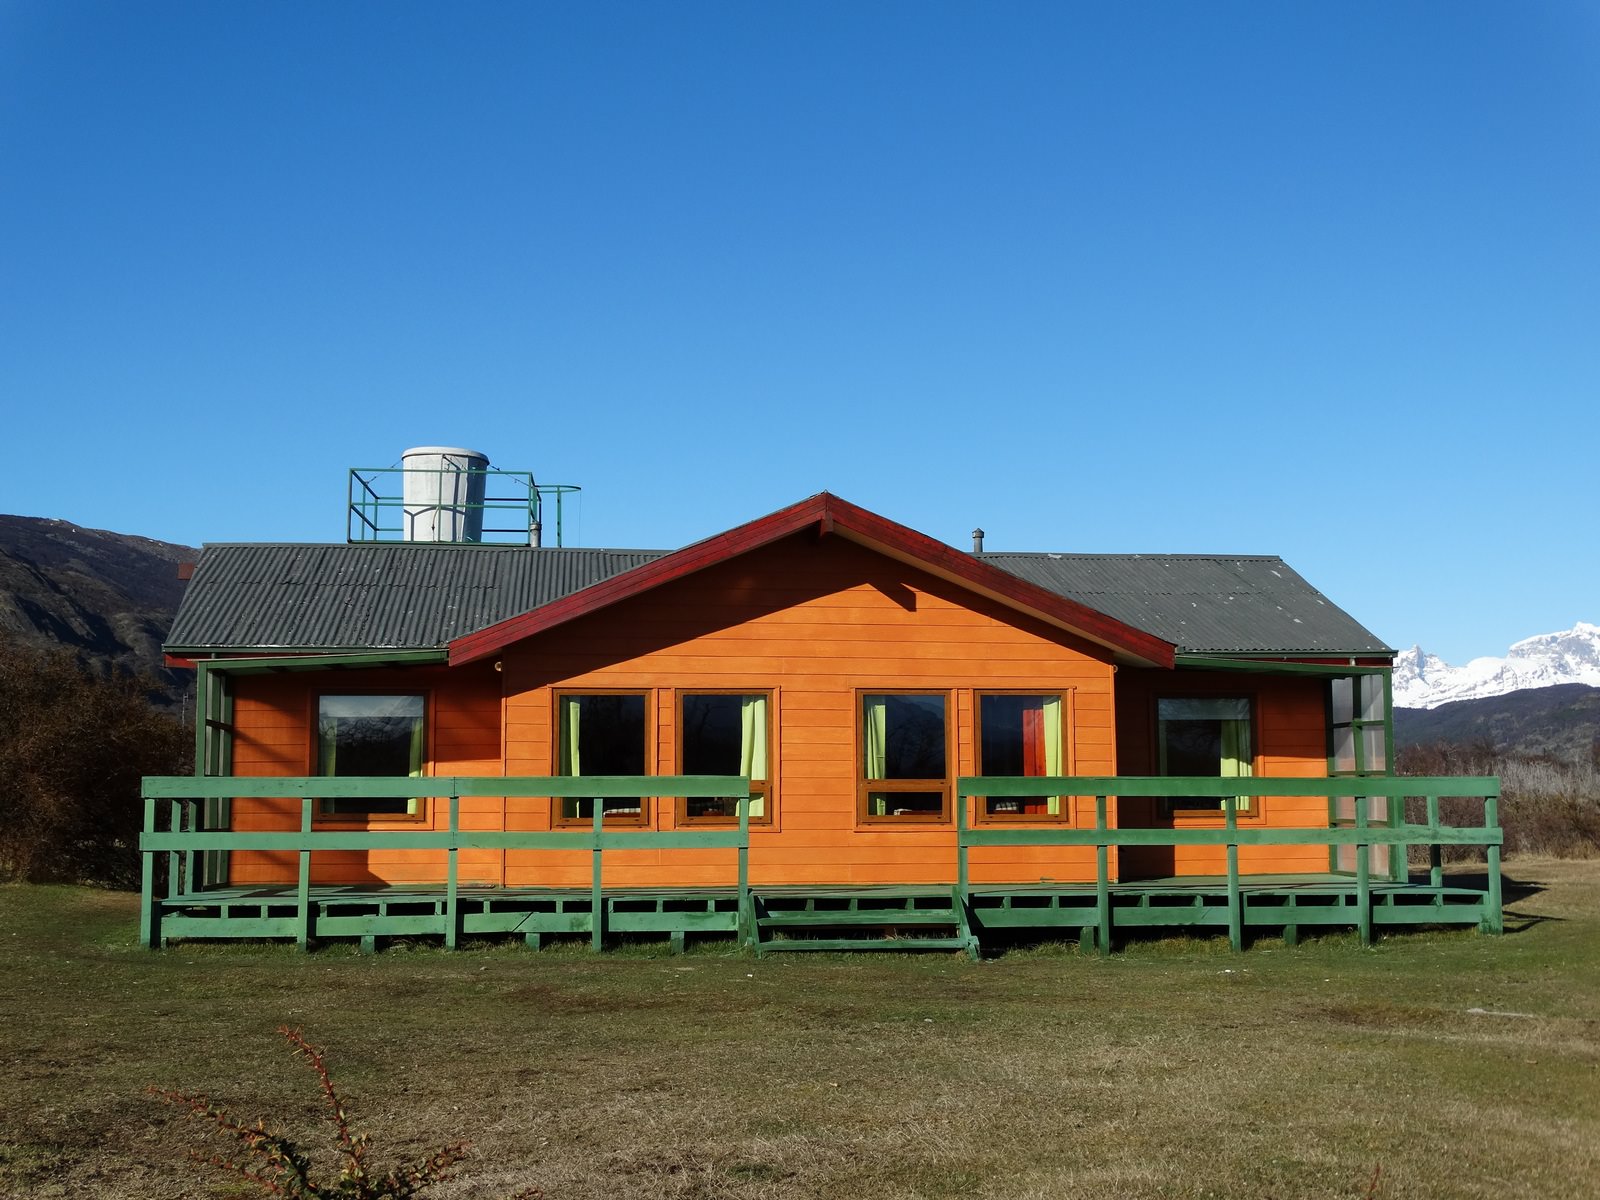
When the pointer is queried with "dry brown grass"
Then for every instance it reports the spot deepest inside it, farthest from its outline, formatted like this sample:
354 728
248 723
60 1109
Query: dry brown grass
1176 1069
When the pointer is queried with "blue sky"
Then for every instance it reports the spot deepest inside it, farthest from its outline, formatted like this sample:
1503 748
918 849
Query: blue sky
1312 280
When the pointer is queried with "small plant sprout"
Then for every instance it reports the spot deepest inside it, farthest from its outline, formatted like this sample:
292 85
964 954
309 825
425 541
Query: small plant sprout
273 1162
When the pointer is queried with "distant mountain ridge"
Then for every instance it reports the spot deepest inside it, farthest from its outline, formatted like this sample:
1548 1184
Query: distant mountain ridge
1562 721
1572 656
109 597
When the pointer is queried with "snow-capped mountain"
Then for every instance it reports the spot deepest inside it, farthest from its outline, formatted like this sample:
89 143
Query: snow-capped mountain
1423 680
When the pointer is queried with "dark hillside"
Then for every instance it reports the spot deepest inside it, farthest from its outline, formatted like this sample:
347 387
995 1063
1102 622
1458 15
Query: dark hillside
1561 721
107 597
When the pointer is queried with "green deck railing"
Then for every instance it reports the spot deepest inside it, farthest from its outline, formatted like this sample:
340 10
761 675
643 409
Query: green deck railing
1355 831
187 796
186 839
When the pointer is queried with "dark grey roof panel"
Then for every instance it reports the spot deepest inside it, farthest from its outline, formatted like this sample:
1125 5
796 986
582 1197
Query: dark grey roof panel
380 597
1220 604
416 597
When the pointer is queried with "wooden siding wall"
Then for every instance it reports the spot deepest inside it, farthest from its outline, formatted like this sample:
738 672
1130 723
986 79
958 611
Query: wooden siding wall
1289 741
274 719
812 621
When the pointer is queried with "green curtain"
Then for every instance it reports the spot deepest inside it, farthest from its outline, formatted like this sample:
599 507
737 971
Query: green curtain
1053 762
1236 756
875 730
328 745
753 746
418 748
570 762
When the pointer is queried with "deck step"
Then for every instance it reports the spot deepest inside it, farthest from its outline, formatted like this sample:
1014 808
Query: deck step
788 945
880 916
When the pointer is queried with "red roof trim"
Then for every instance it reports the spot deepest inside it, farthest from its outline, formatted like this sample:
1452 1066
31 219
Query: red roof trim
827 513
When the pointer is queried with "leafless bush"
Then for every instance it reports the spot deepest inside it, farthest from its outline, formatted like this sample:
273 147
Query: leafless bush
273 1162
1548 805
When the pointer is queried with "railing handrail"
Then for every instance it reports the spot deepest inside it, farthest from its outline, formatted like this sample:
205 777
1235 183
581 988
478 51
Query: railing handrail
1395 786
333 787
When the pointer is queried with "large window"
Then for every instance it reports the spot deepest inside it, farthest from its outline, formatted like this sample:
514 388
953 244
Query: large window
1205 736
1021 736
370 735
724 733
602 734
905 760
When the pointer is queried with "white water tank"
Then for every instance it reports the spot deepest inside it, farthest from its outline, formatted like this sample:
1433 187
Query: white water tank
443 493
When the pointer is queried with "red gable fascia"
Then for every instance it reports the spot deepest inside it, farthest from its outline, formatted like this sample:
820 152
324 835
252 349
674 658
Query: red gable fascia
827 514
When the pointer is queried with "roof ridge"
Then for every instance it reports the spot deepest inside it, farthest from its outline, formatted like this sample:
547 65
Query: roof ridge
1057 554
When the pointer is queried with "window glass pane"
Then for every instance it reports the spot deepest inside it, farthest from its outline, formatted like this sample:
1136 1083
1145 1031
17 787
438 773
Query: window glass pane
1372 697
905 804
712 730
1372 746
1344 748
1343 705
609 736
1192 747
1229 708
1012 735
911 729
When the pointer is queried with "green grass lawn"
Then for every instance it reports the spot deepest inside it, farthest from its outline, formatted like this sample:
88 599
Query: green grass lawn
1455 1064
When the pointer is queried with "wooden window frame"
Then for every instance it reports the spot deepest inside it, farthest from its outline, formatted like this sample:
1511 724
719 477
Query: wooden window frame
1068 813
320 814
1206 818
641 820
865 787
765 787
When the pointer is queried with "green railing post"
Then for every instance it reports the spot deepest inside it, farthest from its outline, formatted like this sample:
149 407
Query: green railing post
958 897
1435 850
452 913
961 848
1230 821
149 911
175 857
747 916
597 928
1363 876
303 927
1102 878
1495 917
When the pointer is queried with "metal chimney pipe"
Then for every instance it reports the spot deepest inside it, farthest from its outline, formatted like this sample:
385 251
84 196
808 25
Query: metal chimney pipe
977 541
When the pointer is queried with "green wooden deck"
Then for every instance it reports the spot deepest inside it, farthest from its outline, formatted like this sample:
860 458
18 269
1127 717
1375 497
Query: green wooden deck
957 915
787 919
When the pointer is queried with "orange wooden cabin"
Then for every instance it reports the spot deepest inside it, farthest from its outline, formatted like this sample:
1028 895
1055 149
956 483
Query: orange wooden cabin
851 668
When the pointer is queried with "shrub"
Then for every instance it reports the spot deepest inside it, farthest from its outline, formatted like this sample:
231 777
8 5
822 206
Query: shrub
72 750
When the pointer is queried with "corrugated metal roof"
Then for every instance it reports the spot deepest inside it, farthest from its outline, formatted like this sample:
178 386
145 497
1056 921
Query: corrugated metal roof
1219 604
406 596
378 597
